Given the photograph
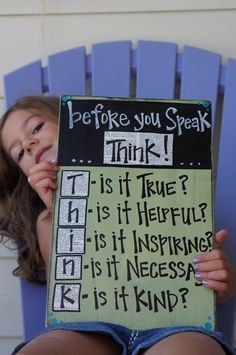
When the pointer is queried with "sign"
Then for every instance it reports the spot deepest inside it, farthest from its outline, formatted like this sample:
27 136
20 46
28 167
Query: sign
133 208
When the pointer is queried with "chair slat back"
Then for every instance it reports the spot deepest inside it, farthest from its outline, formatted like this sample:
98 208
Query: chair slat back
157 70
23 81
60 67
33 300
111 69
225 192
200 75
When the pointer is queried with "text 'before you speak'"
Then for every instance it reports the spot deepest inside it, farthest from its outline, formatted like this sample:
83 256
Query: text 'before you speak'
171 120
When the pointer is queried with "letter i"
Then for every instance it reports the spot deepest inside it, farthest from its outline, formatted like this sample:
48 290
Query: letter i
98 212
130 151
120 185
95 298
102 184
119 213
116 298
114 241
108 267
71 239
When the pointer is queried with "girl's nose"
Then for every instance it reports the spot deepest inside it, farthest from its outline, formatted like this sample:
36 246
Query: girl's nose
29 144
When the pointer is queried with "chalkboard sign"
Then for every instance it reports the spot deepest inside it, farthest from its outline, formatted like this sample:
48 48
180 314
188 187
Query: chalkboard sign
133 208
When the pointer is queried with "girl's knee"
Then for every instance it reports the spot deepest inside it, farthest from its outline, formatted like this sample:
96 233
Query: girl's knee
61 342
193 343
47 343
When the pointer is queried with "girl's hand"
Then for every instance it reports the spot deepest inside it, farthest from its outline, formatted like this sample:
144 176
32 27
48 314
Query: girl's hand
215 270
42 180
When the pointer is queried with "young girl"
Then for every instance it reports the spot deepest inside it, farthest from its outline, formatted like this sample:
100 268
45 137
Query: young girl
28 151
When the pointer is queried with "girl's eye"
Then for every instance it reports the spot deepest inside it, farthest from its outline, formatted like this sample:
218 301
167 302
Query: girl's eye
38 127
20 155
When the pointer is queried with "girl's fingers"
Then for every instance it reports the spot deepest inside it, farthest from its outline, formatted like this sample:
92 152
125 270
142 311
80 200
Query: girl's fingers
45 189
43 183
46 183
41 175
215 271
223 290
220 275
218 286
220 237
41 179
45 165
212 265
213 255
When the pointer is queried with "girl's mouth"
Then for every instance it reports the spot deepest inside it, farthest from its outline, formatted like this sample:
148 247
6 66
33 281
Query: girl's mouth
39 154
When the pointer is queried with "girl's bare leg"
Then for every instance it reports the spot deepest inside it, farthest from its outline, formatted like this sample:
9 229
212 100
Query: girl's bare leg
63 342
186 343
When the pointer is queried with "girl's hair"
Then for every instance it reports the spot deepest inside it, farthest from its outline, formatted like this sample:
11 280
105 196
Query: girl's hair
20 205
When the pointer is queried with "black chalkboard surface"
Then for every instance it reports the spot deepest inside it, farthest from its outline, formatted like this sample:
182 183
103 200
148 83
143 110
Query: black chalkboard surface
184 128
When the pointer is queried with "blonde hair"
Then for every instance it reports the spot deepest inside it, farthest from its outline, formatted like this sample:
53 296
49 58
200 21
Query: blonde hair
19 203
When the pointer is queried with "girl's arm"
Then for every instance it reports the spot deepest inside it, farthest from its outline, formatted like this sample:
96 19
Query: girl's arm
215 270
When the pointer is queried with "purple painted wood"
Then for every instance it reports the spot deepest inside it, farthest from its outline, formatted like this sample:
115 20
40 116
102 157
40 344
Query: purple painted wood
61 66
156 69
111 69
24 81
225 196
33 308
200 80
200 75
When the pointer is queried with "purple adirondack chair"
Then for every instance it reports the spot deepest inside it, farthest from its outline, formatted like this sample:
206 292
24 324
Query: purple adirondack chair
151 70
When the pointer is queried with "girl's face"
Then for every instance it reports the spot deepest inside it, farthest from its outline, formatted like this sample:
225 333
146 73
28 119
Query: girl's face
30 137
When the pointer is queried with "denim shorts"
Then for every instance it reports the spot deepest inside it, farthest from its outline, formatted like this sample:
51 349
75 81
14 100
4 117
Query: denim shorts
132 341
